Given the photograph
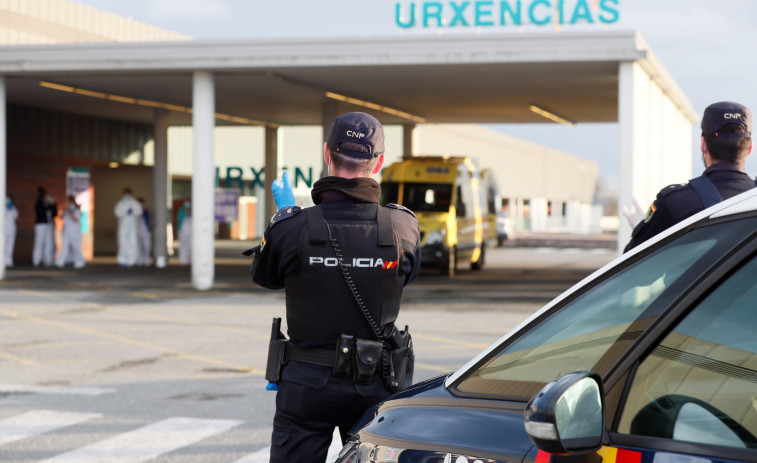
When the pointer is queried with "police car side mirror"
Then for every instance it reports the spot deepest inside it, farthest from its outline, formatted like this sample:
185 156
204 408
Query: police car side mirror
567 415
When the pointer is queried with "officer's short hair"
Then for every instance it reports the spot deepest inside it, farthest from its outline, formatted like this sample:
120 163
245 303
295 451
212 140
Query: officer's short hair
363 167
733 150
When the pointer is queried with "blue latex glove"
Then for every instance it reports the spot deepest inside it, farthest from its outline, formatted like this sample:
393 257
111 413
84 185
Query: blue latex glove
282 191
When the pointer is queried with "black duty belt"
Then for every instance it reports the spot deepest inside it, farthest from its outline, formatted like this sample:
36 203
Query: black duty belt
323 357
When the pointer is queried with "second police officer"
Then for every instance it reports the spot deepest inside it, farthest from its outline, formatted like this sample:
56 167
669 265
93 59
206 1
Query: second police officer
345 252
725 144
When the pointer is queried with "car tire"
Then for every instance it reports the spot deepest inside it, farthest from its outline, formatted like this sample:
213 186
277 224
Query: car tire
479 264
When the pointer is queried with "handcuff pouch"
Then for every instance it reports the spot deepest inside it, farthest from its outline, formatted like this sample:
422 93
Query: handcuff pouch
345 347
367 359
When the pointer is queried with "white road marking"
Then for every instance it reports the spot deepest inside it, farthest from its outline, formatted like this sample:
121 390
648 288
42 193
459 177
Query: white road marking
38 422
147 442
263 455
91 391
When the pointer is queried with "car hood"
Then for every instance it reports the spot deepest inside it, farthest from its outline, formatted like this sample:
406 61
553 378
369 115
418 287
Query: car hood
428 420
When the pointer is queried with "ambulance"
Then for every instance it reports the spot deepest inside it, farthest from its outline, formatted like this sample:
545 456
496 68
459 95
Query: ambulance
445 192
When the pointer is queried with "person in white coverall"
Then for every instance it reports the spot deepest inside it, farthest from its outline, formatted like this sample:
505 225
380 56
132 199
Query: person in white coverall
185 233
144 237
70 249
11 215
129 213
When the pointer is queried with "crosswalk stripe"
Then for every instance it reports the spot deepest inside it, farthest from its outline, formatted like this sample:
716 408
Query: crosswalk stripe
91 391
147 442
261 456
38 422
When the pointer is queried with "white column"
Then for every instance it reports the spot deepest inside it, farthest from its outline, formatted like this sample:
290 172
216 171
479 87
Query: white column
517 214
655 142
3 171
573 216
538 213
203 181
160 188
409 147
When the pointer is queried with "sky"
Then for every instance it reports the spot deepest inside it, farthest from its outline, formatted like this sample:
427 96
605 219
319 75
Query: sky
707 46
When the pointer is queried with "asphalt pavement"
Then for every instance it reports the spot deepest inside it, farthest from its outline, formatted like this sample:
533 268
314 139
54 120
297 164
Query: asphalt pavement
129 365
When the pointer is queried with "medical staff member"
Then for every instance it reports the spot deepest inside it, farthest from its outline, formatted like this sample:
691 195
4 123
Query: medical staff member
11 215
70 249
185 233
319 389
45 211
129 212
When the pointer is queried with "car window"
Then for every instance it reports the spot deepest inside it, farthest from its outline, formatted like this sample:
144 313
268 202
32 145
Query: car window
595 329
700 383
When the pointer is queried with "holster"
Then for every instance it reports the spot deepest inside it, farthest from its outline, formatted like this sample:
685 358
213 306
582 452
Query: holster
399 362
276 352
367 358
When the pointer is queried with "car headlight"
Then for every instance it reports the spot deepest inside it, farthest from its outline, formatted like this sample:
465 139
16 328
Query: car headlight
436 236
349 452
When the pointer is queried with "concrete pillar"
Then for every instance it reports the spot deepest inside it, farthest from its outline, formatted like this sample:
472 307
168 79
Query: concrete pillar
271 168
655 142
626 122
517 214
160 188
573 217
328 115
203 181
3 170
409 147
538 215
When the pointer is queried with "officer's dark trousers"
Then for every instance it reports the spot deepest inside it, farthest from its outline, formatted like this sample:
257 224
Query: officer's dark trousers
310 403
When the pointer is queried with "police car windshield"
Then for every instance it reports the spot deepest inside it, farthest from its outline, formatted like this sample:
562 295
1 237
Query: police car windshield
418 197
592 331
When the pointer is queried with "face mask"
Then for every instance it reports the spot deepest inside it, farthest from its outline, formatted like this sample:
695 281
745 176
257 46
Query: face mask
8 203
71 206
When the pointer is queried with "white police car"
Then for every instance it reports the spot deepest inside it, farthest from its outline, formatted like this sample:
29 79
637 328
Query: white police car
651 359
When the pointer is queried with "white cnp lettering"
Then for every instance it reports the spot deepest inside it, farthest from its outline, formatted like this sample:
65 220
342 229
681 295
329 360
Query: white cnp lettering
732 115
352 133
328 262
367 262
363 262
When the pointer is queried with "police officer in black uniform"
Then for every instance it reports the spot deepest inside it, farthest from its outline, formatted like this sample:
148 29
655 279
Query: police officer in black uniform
303 251
726 142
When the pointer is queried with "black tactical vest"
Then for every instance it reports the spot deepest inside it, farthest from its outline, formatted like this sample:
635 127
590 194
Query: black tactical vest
320 303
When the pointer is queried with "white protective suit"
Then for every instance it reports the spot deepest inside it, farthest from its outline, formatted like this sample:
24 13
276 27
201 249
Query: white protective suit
129 212
185 237
70 249
144 238
11 215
